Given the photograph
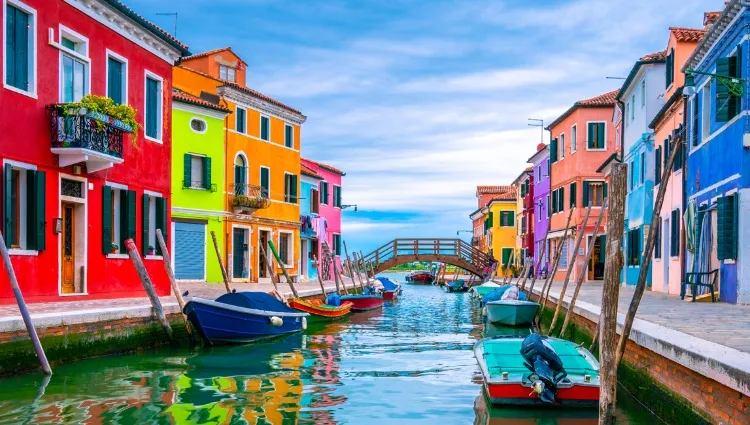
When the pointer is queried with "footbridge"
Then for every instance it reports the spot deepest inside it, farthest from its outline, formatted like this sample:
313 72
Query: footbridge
455 252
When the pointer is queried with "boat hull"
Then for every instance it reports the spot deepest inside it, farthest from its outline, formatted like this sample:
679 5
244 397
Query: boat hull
321 313
483 290
519 395
422 278
390 295
225 324
364 302
511 312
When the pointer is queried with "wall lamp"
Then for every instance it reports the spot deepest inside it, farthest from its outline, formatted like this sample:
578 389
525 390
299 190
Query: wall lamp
343 207
735 85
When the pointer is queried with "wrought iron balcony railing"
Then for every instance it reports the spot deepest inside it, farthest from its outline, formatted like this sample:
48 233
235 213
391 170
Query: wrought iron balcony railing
92 131
248 197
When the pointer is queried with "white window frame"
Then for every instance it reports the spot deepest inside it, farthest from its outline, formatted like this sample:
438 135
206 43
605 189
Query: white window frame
193 156
32 93
285 127
334 197
260 179
22 213
321 192
228 68
236 120
573 137
260 128
561 149
159 107
124 61
605 136
205 125
290 247
706 97
116 190
152 223
81 56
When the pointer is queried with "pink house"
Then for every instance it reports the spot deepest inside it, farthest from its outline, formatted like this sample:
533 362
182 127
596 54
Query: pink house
328 203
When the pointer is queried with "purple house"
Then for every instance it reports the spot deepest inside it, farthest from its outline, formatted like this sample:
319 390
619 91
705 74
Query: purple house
540 162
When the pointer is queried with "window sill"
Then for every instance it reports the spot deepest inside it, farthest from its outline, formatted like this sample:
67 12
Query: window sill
151 139
23 252
75 294
596 150
19 91
118 256
154 257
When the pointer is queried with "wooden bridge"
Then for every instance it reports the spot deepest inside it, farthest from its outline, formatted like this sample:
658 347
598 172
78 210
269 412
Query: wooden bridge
455 252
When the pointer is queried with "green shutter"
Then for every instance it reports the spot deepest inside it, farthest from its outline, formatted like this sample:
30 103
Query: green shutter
10 48
600 136
161 221
152 104
657 169
124 220
553 204
561 199
131 215
35 191
114 80
553 151
605 187
17 48
674 234
585 194
511 219
573 194
106 220
206 172
40 196
8 224
506 256
145 223
491 219
264 181
187 172
240 121
590 142
725 103
602 248
726 232
295 190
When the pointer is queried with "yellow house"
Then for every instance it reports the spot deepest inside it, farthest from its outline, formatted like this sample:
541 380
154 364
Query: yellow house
500 228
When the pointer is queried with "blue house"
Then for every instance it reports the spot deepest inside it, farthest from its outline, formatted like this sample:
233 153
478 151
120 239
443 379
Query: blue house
642 95
718 160
309 207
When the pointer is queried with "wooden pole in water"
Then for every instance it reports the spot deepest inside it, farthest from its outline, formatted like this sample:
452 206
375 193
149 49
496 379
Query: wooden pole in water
149 287
610 295
579 282
640 287
269 268
364 266
322 287
221 264
24 311
173 282
283 269
538 264
571 267
548 282
349 266
336 273
355 259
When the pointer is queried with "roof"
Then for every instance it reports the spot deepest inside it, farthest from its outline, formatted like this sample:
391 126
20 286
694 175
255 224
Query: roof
475 213
658 57
544 150
525 172
712 35
260 96
326 167
510 196
165 36
668 104
494 190
687 34
211 52
310 172
601 101
614 157
185 97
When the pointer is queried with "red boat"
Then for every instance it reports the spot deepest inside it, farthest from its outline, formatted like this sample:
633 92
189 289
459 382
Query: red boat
425 278
319 311
390 289
390 295
364 302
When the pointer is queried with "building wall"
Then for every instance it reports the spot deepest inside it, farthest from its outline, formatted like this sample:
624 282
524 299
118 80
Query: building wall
638 118
328 211
639 203
527 240
541 215
502 237
306 186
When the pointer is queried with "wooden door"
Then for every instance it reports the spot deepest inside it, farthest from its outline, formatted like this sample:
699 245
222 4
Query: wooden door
68 248
262 267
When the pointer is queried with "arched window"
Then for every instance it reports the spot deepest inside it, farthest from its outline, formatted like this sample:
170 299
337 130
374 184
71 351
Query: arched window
240 175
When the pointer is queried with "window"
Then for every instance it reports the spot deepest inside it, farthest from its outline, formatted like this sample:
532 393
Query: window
290 188
240 176
153 107
554 156
285 248
198 125
694 117
657 240
337 196
507 218
539 173
726 227
240 120
625 117
265 125
265 182
643 168
643 93
561 146
634 247
657 169
631 174
289 136
197 172
314 201
549 208
227 73
573 138
24 207
118 218
670 68
728 103
595 138
564 254
75 68
573 195
674 237
594 192
117 78
678 157
20 47
154 216
337 244
324 193
706 123
506 256
632 107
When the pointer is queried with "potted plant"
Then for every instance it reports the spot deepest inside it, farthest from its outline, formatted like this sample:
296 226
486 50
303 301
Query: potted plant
151 250
114 249
104 112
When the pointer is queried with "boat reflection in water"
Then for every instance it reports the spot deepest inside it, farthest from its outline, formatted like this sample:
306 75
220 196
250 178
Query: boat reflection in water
488 415
492 330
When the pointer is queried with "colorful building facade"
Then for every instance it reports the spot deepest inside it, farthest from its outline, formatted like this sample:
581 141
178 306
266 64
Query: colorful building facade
540 202
582 139
524 186
198 164
309 206
75 190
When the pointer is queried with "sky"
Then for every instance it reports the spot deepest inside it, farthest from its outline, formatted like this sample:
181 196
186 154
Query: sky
421 101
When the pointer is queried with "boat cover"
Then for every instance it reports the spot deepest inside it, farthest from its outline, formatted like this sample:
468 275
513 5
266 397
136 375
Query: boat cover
333 300
255 300
388 285
458 284
496 295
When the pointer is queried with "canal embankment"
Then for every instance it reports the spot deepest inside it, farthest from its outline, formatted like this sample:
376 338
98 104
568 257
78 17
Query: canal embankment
80 329
689 362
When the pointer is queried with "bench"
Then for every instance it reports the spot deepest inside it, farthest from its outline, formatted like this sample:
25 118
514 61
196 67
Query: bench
704 279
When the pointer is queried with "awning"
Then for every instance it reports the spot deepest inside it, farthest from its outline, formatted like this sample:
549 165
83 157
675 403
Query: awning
559 233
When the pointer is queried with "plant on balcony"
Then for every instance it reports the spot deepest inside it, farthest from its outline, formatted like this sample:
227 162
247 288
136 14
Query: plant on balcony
249 202
101 105
114 248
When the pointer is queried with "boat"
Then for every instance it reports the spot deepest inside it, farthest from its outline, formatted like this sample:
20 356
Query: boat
242 317
364 302
457 286
484 289
538 371
420 277
486 414
320 312
391 290
511 312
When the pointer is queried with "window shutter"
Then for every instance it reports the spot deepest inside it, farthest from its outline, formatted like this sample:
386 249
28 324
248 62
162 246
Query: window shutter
511 219
674 243
725 104
737 72
726 233
585 194
657 166
35 214
131 216
295 184
106 220
8 225
561 199
506 256
678 159
602 248
144 224
491 217
152 93
553 151
553 206
187 172
573 194
590 135
264 181
17 42
114 80
206 172
161 222
10 46
604 190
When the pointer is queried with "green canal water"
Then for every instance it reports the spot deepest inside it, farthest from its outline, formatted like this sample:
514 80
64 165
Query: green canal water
410 363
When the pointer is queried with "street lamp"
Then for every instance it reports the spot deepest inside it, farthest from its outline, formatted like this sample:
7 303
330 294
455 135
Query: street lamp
463 231
343 207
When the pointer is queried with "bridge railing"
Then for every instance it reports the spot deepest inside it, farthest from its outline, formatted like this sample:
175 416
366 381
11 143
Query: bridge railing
414 248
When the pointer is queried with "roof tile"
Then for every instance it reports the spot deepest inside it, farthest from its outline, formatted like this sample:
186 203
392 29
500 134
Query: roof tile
657 56
119 4
260 96
326 167
211 52
606 99
688 34
189 98
310 172
494 190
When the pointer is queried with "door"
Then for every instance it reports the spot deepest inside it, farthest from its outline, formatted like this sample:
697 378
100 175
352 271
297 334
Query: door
239 254
190 251
665 254
303 257
263 242
596 266
68 248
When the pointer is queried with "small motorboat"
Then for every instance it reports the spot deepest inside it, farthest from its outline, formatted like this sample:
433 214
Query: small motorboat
420 278
242 317
511 312
538 371
484 289
457 286
369 300
322 312
391 290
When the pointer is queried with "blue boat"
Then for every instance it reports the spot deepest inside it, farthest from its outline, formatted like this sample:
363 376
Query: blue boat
457 286
242 317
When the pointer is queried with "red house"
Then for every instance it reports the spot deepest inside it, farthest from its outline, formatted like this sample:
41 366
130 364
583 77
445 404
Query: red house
75 184
525 184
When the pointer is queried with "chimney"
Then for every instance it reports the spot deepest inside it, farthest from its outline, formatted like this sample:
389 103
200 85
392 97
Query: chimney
709 18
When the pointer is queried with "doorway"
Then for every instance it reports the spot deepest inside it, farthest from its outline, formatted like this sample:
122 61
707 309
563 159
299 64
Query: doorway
68 248
303 258
240 251
596 264
263 237
665 256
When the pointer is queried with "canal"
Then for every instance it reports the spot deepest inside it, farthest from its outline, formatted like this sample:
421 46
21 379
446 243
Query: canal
410 363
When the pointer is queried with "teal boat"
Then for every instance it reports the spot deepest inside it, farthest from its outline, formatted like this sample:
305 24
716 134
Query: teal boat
484 289
511 312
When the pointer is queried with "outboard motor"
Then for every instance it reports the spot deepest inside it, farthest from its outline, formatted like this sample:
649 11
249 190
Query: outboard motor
545 365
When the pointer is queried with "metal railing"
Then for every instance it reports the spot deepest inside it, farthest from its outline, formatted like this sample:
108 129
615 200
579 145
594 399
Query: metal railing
448 250
248 196
88 131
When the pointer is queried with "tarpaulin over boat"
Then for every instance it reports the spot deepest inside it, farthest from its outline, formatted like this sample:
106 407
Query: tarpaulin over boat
255 300
334 300
496 295
388 285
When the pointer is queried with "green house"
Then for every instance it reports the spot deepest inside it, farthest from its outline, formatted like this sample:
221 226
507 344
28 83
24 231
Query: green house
197 187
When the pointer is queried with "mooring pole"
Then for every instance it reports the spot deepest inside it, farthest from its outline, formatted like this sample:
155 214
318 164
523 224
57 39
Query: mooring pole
221 263
24 311
555 262
283 269
355 259
173 282
610 295
349 266
538 264
269 267
135 256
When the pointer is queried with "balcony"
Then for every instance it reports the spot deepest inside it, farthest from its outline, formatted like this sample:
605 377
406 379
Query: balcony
86 137
247 198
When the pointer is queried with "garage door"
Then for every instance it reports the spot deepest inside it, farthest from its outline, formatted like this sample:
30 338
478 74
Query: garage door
189 251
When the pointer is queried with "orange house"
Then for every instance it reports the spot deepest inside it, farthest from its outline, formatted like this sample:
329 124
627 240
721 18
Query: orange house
582 139
262 152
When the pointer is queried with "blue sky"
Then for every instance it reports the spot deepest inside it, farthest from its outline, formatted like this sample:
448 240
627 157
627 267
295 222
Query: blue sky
420 101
